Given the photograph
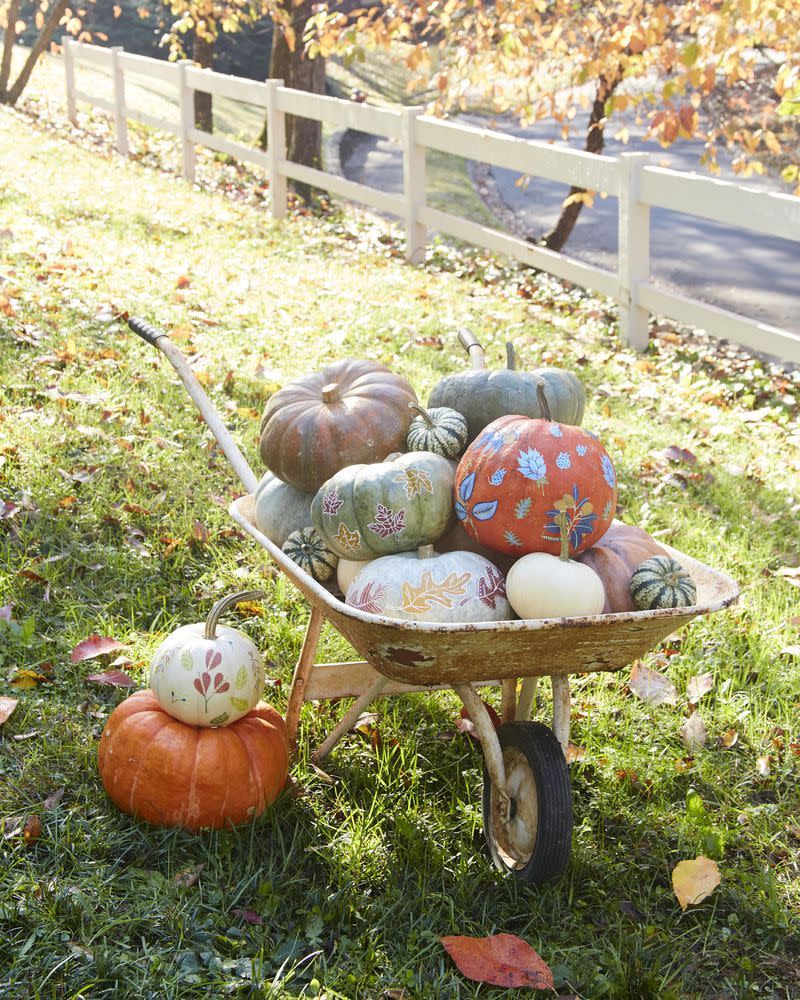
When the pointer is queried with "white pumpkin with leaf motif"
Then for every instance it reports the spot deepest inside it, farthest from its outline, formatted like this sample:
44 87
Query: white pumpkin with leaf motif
206 674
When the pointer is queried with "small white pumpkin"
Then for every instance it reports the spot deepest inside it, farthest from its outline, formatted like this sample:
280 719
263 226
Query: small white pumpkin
428 587
208 674
541 585
347 570
281 509
440 430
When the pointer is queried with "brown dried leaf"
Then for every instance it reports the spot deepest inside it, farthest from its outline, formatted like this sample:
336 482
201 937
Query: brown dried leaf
94 646
694 734
763 767
189 876
53 799
24 680
7 706
32 829
699 685
675 454
250 916
694 881
651 686
728 739
574 752
501 960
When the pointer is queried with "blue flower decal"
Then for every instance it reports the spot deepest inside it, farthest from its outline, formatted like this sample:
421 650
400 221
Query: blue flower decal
563 461
484 511
490 441
555 430
581 449
531 464
580 519
608 471
497 477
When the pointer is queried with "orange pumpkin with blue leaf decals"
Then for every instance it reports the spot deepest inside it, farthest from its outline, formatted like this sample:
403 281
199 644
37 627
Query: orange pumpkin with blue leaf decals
520 474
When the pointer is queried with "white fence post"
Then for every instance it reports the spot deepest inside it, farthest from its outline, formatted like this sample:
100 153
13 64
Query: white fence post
120 111
634 251
414 181
69 73
276 151
186 111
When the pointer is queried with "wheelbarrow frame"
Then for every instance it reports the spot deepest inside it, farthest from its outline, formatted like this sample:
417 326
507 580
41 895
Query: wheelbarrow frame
402 657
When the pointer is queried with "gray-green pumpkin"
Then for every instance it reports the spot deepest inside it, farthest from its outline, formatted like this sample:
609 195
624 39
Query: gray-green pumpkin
440 430
307 548
281 509
365 511
661 582
483 396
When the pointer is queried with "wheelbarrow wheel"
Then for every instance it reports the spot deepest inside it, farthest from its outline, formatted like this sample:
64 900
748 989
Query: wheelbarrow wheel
534 842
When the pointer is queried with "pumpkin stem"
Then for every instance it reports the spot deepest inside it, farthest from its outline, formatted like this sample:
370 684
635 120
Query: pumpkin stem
546 415
511 357
222 606
561 521
423 413
331 393
470 344
426 552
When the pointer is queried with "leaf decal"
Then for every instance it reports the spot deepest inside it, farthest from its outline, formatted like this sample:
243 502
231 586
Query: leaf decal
331 503
491 588
220 720
461 511
512 538
349 540
368 599
240 704
420 600
241 678
414 481
387 522
186 660
466 487
522 508
484 511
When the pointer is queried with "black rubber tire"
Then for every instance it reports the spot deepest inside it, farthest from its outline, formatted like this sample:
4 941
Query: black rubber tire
551 851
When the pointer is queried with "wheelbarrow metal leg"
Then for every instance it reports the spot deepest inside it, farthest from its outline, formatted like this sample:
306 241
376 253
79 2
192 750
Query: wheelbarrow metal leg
349 718
489 743
561 709
302 672
527 696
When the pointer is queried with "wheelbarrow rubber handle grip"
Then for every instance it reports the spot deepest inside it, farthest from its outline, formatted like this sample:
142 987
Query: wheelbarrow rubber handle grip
145 331
472 346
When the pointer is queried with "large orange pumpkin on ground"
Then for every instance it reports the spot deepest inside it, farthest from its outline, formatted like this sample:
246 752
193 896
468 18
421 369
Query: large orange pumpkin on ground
519 474
173 774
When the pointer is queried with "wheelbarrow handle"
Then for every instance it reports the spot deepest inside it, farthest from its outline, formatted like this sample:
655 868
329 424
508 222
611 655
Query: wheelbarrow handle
207 409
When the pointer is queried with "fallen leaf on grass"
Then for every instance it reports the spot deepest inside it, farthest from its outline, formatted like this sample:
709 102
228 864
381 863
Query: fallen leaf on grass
693 732
675 454
728 739
699 685
94 646
466 726
189 877
651 686
365 722
7 706
791 651
763 767
6 611
32 829
24 680
501 960
694 881
250 916
790 573
113 678
574 752
53 799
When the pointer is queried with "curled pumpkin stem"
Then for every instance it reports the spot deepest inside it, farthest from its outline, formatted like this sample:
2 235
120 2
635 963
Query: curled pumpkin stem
546 415
423 413
222 606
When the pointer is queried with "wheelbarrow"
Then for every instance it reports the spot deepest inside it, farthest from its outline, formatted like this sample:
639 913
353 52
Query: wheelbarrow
527 799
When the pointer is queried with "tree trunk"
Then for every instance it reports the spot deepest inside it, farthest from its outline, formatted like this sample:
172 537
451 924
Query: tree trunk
595 142
9 39
42 42
303 135
203 55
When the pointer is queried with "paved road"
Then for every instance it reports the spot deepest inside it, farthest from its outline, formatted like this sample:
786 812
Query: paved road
758 276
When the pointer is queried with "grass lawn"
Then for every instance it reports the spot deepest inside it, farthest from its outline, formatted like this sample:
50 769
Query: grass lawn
113 521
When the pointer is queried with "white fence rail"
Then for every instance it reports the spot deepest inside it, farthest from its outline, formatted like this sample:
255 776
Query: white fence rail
630 178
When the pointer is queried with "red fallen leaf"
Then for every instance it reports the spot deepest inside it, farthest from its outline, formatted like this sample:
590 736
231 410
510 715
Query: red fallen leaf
182 282
465 725
94 646
29 574
113 678
502 960
7 706
249 915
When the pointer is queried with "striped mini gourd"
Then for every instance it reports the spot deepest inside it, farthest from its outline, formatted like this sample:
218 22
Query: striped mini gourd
307 548
661 582
440 430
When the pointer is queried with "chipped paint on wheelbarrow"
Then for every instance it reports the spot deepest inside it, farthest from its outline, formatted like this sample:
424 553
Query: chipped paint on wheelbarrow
422 653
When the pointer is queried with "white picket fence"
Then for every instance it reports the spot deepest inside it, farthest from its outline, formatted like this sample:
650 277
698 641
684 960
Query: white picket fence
630 178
